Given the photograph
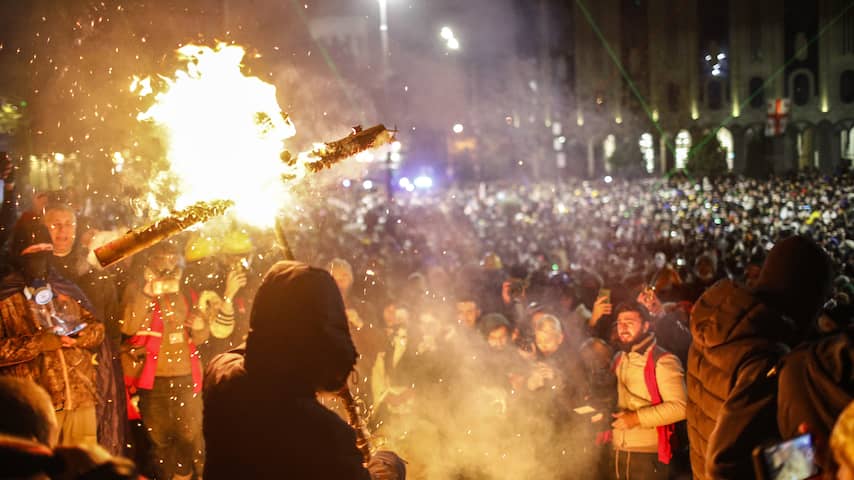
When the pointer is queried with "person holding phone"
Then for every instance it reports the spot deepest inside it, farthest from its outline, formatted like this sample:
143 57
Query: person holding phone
41 336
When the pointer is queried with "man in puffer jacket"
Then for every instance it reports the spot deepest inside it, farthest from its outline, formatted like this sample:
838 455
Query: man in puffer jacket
739 336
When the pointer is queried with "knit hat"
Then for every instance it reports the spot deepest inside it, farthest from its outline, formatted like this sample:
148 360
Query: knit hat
796 278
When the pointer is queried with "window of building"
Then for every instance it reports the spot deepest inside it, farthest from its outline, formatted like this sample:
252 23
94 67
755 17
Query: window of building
846 86
683 146
608 148
801 87
647 148
756 91
726 141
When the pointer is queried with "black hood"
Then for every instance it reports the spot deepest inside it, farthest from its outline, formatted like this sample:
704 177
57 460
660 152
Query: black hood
796 278
299 336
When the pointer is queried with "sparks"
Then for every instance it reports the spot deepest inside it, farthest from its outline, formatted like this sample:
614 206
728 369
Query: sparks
224 133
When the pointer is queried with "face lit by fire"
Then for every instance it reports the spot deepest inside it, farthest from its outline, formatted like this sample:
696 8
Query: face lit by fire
467 313
548 334
62 225
498 338
631 326
343 278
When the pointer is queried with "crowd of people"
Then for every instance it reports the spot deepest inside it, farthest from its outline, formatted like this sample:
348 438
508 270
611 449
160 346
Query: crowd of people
581 329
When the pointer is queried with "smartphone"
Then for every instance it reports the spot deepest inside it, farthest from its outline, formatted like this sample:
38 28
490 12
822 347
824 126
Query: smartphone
792 459
604 293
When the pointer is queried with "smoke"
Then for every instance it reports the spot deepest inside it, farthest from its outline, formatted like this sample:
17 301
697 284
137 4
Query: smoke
468 413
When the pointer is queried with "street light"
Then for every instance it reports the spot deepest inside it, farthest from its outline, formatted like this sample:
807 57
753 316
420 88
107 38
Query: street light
450 39
383 4
458 128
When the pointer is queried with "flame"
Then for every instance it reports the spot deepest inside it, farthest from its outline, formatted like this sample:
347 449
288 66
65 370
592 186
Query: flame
224 133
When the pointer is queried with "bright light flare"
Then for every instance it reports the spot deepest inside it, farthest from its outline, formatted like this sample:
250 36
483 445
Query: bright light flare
423 181
458 128
446 33
224 133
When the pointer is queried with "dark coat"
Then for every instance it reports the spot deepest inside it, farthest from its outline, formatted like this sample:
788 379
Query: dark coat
261 417
732 386
816 384
257 430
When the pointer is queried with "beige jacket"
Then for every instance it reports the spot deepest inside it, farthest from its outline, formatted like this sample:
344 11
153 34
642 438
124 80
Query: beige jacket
633 395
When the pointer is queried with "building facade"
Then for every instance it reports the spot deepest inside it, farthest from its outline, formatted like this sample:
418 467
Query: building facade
663 75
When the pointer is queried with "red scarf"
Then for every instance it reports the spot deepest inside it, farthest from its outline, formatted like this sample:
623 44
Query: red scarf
152 340
665 452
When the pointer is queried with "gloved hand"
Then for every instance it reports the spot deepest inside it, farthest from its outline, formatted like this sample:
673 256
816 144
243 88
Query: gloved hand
386 465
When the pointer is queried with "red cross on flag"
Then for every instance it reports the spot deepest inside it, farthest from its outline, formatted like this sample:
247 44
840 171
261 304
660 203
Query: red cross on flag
778 116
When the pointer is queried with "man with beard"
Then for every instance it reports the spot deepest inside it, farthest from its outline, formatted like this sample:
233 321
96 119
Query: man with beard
299 344
48 333
650 398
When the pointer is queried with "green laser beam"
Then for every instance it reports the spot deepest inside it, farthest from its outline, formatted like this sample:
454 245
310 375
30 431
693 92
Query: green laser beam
773 76
326 58
623 72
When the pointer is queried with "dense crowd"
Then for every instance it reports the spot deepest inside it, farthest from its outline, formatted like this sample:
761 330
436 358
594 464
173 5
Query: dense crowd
503 331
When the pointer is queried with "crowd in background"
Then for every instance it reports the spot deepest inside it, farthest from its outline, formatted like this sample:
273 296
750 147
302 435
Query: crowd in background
485 317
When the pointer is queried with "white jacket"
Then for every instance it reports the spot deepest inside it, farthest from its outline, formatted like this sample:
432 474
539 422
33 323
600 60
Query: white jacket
633 395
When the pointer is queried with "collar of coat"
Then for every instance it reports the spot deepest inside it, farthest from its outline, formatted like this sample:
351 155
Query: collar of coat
644 344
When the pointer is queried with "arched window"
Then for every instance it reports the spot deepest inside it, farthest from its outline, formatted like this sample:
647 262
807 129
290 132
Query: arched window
608 148
846 86
846 143
725 139
801 86
647 148
683 146
756 91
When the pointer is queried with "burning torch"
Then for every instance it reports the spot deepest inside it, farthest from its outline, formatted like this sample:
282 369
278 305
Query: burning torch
141 238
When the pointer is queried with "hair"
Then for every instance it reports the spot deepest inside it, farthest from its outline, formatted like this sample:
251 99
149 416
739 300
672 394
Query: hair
632 306
27 410
547 318
54 204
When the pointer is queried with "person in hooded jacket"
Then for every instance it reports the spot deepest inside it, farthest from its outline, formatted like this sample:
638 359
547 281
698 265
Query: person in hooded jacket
262 417
48 333
739 337
816 384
